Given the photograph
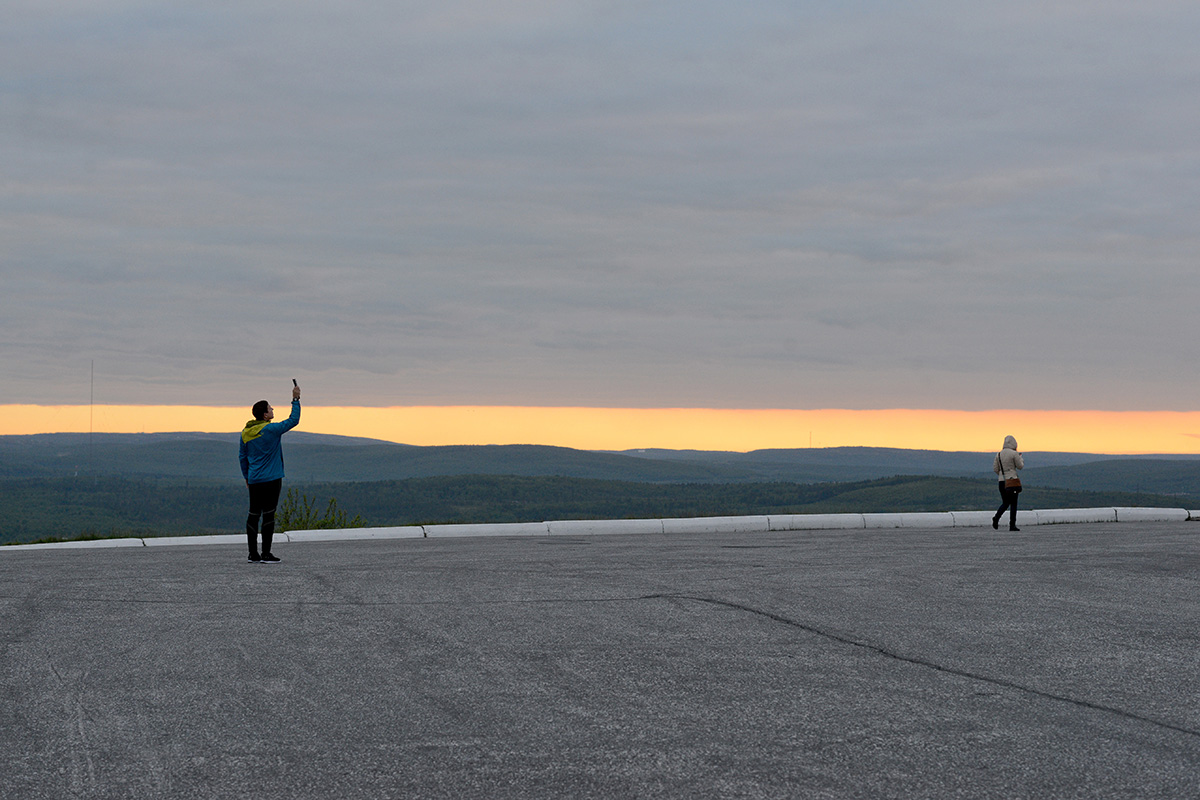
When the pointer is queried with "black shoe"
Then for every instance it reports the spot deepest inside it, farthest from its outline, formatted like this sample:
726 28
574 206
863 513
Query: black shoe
267 558
1010 527
254 558
995 523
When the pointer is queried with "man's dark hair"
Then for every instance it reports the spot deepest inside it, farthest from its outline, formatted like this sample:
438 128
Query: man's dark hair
260 409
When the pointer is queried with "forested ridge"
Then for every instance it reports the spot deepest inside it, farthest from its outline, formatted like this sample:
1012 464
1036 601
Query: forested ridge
37 509
79 485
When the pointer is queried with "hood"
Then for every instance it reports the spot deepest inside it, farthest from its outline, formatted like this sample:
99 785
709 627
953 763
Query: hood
254 428
1010 442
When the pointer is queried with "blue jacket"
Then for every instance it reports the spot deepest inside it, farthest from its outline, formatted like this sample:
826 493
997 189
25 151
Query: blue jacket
261 451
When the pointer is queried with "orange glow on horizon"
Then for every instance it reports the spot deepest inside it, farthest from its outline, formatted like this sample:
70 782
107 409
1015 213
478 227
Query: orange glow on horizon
1115 432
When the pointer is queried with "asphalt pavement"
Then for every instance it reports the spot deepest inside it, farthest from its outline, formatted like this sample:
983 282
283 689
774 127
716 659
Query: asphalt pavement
1061 661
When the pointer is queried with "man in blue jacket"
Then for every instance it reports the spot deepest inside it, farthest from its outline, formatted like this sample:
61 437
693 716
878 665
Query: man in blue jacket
261 456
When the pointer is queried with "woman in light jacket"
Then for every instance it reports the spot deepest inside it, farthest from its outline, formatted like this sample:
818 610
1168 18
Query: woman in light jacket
1006 464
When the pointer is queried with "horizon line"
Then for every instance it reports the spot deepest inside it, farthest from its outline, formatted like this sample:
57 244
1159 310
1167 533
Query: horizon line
672 428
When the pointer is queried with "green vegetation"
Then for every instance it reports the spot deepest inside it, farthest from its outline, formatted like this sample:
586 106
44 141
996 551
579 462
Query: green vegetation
105 507
298 513
47 508
490 498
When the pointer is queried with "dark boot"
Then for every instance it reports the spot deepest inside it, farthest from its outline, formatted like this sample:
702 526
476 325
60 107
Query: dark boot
267 556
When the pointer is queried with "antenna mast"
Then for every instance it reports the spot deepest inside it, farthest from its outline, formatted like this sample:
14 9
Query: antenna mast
91 411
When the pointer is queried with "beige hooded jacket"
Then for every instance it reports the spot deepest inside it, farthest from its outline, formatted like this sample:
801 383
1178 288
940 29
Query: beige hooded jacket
1008 460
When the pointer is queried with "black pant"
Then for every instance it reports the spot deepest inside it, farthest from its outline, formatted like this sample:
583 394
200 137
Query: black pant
1008 499
264 497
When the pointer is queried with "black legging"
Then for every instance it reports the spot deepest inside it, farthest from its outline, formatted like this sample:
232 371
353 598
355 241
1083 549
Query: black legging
264 497
1008 499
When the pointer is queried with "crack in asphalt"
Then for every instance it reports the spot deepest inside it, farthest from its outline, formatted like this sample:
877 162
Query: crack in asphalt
926 663
812 629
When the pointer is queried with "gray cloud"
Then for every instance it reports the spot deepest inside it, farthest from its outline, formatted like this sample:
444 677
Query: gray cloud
602 203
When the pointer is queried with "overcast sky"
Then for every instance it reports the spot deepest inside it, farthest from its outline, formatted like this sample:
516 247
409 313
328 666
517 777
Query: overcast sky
708 204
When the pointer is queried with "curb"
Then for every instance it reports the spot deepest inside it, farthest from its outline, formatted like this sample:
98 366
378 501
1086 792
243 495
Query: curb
750 524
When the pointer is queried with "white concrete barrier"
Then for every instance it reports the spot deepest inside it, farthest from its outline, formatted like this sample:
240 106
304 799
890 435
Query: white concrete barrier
983 519
1151 514
583 527
972 519
928 519
483 529
909 520
1062 516
408 532
218 538
717 525
816 522
89 543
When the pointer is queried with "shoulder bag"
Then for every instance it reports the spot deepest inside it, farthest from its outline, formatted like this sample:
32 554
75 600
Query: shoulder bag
1009 483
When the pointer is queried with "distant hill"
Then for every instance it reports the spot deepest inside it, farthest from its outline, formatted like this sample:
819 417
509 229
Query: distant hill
1163 476
314 458
914 462
317 458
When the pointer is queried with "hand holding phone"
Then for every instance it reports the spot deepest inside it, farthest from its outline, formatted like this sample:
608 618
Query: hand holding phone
295 390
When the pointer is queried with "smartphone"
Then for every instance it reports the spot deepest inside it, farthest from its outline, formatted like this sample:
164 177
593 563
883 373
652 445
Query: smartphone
295 384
